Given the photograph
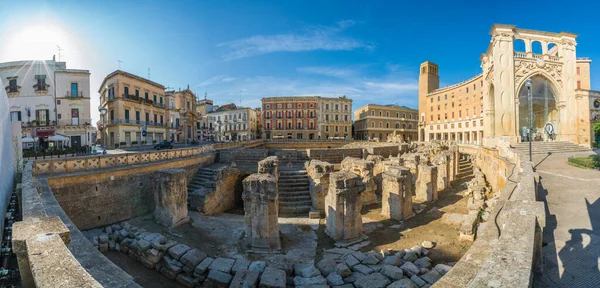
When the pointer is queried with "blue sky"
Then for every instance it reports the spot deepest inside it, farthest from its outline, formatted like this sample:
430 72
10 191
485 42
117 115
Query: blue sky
240 51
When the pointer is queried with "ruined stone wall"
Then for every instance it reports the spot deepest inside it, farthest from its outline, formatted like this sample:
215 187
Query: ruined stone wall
113 195
306 144
384 151
245 156
334 155
318 182
496 168
222 198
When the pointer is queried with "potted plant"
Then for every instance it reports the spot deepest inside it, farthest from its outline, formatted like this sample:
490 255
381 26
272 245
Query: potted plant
35 122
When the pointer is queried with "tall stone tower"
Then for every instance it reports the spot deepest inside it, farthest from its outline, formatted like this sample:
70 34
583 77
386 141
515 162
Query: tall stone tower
429 80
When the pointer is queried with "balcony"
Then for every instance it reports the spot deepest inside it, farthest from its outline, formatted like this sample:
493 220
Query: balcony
37 123
74 94
74 122
135 122
142 100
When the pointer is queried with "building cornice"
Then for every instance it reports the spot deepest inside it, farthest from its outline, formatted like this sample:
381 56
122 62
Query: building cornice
129 75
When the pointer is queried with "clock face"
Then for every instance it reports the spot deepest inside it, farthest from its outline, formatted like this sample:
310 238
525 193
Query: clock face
597 103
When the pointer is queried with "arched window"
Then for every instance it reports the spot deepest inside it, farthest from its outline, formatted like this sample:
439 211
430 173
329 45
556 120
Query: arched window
380 125
536 47
519 45
403 115
552 49
409 126
397 115
380 114
387 114
403 125
387 125
372 124
372 113
409 116
397 126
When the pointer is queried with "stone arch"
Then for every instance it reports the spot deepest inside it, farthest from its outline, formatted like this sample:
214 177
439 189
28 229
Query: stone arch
553 49
545 99
397 126
537 47
521 82
519 45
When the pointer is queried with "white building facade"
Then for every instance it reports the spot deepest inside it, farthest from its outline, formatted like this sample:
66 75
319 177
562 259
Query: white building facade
49 100
233 124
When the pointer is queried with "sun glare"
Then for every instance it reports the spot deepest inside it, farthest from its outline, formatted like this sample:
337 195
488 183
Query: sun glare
34 42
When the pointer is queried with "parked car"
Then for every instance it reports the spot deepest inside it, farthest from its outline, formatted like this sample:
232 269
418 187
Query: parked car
98 150
164 145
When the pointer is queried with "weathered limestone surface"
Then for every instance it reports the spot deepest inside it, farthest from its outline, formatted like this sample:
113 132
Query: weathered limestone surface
318 182
364 169
269 165
343 205
411 160
427 183
378 168
170 192
213 201
443 171
396 199
261 206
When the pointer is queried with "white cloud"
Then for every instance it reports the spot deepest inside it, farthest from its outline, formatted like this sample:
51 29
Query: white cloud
214 80
327 71
315 38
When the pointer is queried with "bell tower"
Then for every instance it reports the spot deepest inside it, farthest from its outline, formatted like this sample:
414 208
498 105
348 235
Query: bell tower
429 80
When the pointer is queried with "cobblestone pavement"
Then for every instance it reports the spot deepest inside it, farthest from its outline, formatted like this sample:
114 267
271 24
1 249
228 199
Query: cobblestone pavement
572 234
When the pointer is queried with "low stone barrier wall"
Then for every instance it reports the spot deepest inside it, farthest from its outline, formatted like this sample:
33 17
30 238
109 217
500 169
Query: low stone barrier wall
51 251
507 250
245 156
384 151
75 164
98 198
304 144
334 155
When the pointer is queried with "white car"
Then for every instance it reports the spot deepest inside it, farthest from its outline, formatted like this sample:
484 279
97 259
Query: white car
98 150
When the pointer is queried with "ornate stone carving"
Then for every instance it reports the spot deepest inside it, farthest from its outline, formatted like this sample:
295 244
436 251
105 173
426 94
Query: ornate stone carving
524 68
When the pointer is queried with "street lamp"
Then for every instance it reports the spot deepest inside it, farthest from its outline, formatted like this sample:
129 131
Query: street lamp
103 111
184 129
530 112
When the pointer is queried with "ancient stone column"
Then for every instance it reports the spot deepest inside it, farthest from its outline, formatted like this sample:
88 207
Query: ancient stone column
426 189
441 162
261 208
269 165
411 160
343 204
171 197
318 182
364 169
451 172
396 197
377 171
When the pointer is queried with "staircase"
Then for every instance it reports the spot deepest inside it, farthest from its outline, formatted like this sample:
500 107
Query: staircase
550 146
294 196
465 169
205 180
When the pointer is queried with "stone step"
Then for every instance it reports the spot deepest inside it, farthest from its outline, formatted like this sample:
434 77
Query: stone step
293 189
294 193
297 210
303 182
291 199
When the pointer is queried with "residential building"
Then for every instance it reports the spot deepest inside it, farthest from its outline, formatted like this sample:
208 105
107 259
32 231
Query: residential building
182 115
204 127
306 117
493 106
335 118
49 100
374 121
232 123
132 103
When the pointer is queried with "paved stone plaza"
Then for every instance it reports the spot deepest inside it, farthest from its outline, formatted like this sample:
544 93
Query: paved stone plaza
572 232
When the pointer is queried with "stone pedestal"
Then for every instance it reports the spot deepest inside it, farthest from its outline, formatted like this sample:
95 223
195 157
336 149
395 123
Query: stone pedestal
261 207
318 183
451 168
171 197
343 204
441 162
411 160
269 165
364 169
396 197
427 183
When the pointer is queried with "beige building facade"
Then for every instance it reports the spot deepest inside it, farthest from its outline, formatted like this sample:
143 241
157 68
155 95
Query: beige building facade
132 103
493 106
374 121
182 113
335 118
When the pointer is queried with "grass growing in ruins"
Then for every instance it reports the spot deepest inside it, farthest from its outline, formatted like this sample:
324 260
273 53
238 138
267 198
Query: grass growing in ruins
590 162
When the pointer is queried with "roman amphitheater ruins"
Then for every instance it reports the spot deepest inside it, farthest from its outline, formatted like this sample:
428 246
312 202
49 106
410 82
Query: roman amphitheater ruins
441 212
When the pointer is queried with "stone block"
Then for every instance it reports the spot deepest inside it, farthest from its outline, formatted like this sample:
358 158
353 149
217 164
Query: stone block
202 267
352 278
423 262
222 264
431 277
177 251
426 186
410 269
403 283
393 272
306 270
418 281
343 205
317 280
170 195
240 264
245 279
343 270
364 169
261 207
269 165
375 280
351 261
442 268
362 269
258 266
273 278
218 279
334 279
186 280
392 260
192 257
318 184
396 197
